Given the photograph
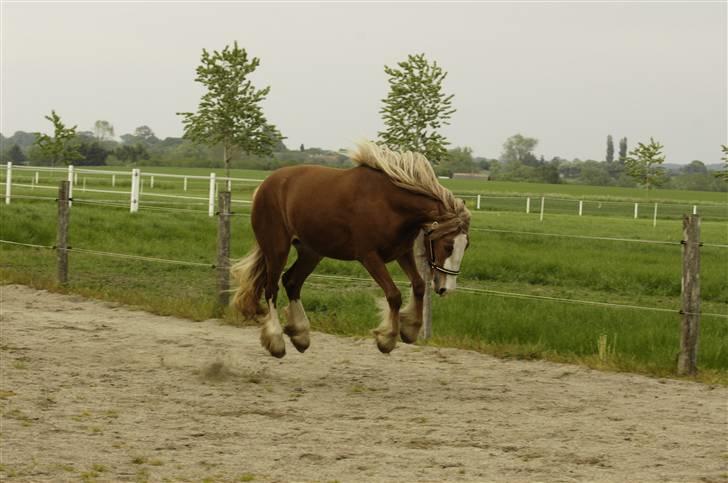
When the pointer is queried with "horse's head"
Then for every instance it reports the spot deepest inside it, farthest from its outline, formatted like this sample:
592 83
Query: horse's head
445 244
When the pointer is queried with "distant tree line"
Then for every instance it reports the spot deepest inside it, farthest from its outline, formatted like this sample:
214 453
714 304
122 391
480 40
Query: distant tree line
517 162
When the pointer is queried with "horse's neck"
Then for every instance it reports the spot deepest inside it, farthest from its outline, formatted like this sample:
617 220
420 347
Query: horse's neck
423 209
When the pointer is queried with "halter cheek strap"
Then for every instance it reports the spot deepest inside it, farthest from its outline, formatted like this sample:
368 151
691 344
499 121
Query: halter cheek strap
430 246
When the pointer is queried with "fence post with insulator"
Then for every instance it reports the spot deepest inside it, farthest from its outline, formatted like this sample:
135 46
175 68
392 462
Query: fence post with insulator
687 361
64 203
135 191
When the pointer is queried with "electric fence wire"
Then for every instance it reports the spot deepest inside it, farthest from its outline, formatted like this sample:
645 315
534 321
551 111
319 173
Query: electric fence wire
360 279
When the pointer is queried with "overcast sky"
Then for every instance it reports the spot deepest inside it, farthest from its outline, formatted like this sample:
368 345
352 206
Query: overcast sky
567 74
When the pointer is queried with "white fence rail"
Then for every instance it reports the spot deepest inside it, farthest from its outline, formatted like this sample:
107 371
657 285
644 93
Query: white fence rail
145 186
136 180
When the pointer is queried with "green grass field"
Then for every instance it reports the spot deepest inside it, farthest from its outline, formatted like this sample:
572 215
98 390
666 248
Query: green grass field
598 270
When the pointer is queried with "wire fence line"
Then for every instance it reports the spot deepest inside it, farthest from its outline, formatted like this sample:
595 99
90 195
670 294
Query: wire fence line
401 283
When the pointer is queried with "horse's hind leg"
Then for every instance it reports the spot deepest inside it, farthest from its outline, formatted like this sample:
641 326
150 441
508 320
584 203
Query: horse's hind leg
275 250
298 325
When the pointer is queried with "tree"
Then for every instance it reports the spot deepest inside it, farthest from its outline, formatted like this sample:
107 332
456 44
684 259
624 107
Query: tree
15 154
623 150
142 135
103 130
695 167
643 164
131 153
229 112
61 146
610 149
416 108
519 149
93 154
724 174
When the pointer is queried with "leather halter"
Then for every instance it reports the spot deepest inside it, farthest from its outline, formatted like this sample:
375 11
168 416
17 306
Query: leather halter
430 247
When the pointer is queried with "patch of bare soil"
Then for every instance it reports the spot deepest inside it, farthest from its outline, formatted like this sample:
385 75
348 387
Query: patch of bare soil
95 391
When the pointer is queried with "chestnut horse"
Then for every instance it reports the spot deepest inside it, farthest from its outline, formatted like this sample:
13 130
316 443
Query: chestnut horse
371 213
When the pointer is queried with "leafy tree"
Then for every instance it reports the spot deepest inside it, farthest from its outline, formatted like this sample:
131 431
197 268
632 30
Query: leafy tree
610 149
15 154
142 135
416 108
519 149
93 154
643 164
61 146
724 174
229 112
459 160
623 150
695 167
103 130
132 154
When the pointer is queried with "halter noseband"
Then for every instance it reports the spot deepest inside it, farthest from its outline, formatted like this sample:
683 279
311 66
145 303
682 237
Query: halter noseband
430 247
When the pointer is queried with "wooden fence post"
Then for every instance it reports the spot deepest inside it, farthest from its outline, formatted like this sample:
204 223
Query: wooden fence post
62 236
223 251
687 361
423 267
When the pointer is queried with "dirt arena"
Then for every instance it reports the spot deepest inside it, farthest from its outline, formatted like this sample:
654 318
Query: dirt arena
92 391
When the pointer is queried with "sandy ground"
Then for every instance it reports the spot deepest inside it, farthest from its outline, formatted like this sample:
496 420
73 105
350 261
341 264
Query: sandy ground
90 390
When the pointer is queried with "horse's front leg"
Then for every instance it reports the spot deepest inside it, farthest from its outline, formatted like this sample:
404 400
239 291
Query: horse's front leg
387 332
410 317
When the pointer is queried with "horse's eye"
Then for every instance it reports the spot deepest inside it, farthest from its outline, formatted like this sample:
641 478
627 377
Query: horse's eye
448 249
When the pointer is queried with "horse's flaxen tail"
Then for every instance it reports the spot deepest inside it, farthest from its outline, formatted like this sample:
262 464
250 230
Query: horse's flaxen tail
249 272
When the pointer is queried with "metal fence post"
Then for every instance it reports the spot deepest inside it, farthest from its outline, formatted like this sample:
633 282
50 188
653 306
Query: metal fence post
64 204
687 362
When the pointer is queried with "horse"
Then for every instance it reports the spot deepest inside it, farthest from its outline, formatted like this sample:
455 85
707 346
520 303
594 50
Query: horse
371 213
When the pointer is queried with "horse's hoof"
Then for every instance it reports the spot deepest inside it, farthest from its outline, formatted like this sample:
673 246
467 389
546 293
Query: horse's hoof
409 338
301 342
386 344
275 345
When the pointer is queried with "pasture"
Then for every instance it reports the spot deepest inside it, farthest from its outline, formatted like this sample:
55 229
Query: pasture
94 391
500 267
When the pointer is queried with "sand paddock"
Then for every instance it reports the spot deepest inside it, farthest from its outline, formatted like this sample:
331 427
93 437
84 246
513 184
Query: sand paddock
90 390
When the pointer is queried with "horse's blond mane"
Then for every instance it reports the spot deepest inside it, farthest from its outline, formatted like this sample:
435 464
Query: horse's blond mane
411 171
